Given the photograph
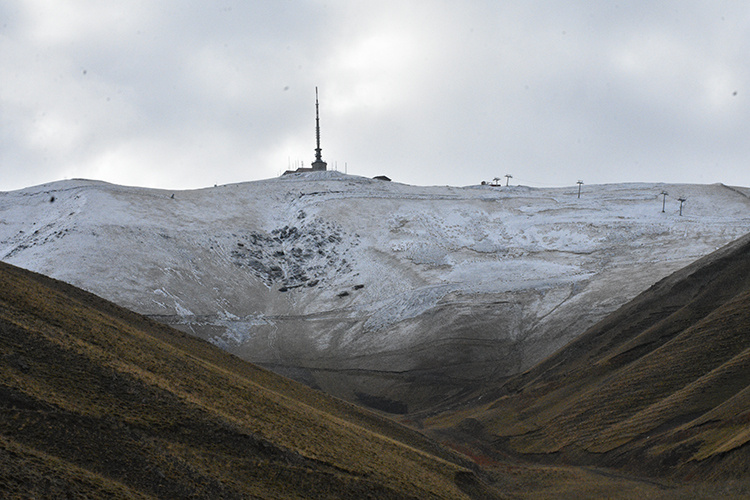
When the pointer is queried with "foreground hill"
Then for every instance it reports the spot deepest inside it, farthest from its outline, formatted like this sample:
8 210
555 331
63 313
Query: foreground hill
661 387
99 402
96 401
389 295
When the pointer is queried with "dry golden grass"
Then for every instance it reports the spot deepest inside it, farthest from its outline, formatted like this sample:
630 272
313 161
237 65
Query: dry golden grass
660 388
110 404
654 402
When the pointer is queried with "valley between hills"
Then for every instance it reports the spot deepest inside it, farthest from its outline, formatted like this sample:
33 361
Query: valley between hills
388 295
513 343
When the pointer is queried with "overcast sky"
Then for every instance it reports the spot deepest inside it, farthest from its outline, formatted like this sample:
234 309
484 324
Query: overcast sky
186 94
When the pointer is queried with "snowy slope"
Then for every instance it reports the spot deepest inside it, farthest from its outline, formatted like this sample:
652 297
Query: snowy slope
368 288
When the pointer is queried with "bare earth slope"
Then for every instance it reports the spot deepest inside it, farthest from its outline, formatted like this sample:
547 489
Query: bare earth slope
96 401
390 295
661 387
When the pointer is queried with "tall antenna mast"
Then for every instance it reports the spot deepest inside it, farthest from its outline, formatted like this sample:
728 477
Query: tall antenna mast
318 164
317 127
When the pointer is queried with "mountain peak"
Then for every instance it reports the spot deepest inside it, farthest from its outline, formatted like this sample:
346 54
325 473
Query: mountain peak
320 275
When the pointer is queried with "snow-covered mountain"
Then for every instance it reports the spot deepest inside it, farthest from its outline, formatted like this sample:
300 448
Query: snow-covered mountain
371 290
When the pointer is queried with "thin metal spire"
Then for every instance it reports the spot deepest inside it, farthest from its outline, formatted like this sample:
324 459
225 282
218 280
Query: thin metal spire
317 126
318 164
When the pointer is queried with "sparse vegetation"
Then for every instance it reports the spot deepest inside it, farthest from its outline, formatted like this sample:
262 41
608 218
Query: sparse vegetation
653 402
97 401
661 388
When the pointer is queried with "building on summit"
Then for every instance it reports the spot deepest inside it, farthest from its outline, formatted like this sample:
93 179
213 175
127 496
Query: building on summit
318 165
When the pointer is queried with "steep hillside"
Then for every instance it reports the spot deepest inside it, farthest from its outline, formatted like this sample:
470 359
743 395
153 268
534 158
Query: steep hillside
389 295
99 402
661 387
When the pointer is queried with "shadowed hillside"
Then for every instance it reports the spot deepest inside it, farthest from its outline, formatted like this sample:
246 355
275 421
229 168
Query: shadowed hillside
98 401
661 387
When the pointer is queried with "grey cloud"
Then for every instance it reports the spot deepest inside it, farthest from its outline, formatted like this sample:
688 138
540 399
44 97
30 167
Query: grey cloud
188 94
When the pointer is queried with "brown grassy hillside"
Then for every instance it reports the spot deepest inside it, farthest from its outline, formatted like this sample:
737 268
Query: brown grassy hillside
97 401
660 388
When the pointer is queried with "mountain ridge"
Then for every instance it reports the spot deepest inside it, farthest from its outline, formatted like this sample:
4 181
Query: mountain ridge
652 400
443 285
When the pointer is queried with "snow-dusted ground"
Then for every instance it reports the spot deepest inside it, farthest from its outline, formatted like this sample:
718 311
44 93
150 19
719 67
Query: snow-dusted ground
358 285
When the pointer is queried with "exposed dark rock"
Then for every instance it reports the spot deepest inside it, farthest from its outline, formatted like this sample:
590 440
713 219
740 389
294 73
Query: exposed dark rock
295 254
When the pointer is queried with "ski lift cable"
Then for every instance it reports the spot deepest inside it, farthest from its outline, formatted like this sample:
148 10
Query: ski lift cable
532 183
